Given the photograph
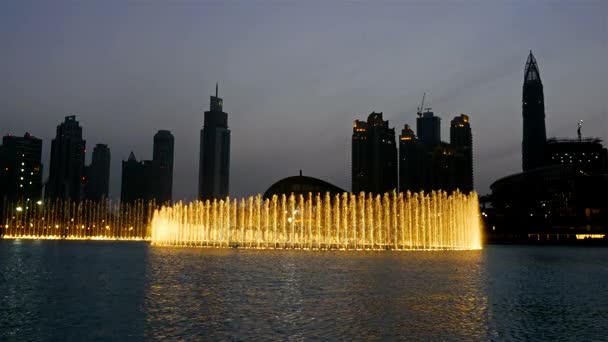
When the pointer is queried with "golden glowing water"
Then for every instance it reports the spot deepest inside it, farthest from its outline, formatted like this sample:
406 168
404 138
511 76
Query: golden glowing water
393 221
70 220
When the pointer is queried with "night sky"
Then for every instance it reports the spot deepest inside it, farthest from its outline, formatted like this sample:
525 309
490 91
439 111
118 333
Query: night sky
294 76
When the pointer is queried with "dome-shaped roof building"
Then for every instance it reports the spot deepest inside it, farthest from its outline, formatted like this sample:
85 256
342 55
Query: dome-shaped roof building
301 185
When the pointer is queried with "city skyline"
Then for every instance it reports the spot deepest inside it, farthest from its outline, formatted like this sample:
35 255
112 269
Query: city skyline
285 110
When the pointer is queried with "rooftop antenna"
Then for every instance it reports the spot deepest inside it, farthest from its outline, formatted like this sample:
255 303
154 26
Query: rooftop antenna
421 108
216 89
580 126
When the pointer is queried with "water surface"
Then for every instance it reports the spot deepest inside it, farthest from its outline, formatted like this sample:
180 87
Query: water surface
58 290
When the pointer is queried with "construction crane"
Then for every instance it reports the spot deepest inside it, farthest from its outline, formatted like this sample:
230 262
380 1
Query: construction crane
421 108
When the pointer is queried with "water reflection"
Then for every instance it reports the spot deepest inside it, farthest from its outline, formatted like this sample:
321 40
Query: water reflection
551 292
61 290
248 294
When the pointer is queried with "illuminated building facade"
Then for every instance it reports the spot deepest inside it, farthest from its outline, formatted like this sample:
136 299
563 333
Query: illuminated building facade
98 174
66 173
20 168
374 156
533 110
163 154
587 155
214 159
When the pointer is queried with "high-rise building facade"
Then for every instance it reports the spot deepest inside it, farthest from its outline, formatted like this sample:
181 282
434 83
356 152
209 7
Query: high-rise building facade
374 156
533 110
426 163
428 128
20 168
163 155
98 174
413 161
214 159
360 167
461 139
66 173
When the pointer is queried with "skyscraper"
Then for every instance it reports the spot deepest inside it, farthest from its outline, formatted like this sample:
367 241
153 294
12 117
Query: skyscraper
413 161
214 161
428 128
427 163
533 110
360 158
374 156
98 174
461 140
163 155
66 174
20 168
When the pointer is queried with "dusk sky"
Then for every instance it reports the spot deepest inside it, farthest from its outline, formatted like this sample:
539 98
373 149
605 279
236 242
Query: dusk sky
294 76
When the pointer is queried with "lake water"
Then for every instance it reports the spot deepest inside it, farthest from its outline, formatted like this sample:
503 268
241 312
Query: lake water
68 290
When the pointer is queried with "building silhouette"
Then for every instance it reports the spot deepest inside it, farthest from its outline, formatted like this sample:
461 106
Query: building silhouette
98 174
20 169
163 154
149 180
301 186
66 173
139 180
374 156
413 161
585 154
442 168
461 140
214 159
533 110
428 128
427 163
561 191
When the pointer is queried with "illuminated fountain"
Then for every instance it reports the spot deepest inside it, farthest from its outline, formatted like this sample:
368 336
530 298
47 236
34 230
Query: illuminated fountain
70 220
434 221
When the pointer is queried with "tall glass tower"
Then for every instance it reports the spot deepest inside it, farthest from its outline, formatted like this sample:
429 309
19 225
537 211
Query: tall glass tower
533 109
214 162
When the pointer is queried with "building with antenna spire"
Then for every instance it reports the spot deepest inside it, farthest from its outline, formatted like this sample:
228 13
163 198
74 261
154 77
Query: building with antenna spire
214 158
560 195
533 111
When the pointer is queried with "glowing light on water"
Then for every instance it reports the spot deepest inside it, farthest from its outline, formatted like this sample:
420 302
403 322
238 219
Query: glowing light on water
396 221
70 220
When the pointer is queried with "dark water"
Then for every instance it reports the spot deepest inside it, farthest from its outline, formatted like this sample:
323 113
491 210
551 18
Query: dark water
61 290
